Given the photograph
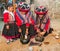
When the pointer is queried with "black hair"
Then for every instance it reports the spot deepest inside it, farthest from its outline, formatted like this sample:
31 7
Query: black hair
37 17
9 5
23 7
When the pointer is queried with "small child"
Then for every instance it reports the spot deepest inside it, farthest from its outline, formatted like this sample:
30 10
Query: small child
10 27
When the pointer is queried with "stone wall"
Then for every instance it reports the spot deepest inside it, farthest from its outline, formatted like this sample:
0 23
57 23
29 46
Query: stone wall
52 5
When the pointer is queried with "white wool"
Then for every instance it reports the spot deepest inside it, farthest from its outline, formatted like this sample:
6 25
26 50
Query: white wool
6 11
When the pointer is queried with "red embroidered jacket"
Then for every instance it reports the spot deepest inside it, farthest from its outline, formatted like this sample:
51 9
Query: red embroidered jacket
8 16
19 21
45 25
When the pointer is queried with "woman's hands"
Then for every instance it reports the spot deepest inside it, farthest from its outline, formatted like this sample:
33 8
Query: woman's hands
40 33
26 31
7 26
19 30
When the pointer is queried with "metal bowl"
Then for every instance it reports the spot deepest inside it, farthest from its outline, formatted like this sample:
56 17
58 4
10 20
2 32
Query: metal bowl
24 41
40 39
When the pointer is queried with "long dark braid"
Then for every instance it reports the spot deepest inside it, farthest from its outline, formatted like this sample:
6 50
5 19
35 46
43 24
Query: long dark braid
37 17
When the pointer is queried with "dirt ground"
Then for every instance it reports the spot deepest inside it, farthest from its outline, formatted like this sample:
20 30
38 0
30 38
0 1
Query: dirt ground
54 44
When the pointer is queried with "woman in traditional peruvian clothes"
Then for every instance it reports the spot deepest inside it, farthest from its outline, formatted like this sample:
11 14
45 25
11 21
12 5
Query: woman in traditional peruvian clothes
10 27
42 21
24 19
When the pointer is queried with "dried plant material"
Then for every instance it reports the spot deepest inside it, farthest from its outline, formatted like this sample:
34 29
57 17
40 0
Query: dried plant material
55 34
46 43
57 37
